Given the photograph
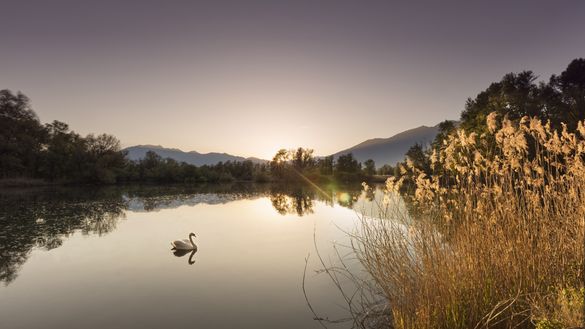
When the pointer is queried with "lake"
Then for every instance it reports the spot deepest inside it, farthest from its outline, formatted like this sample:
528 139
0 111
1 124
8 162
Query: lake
101 257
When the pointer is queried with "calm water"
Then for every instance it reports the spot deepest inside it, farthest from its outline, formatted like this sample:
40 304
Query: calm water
101 258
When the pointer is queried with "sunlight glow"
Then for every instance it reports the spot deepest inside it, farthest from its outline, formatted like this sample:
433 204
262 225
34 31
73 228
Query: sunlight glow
344 197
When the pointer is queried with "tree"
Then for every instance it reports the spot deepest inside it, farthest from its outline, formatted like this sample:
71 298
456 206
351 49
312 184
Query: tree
567 93
369 167
302 159
419 158
561 100
325 165
446 128
64 152
346 163
278 163
516 95
21 136
386 170
106 158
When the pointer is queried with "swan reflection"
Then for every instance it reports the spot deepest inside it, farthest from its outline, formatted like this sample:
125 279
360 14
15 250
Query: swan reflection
183 252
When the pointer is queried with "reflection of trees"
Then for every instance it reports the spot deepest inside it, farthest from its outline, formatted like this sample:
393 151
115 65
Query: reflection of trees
151 198
286 204
43 220
296 199
343 194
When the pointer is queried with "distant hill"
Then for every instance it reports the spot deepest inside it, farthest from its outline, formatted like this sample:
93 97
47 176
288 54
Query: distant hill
195 158
393 149
382 150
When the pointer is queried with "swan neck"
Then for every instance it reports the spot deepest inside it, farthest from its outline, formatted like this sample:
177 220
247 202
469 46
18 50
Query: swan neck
191 238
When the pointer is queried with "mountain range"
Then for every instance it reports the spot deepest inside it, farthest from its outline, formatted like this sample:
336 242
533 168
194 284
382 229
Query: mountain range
392 149
195 158
382 150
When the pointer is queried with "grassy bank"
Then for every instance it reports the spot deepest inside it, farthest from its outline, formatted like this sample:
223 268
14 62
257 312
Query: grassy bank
495 235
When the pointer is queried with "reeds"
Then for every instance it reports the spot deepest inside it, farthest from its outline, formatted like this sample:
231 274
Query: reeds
495 234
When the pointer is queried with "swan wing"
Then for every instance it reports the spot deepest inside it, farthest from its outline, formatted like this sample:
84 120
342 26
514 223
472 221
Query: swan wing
178 244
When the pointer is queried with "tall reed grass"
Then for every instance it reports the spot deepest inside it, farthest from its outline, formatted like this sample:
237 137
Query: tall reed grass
495 235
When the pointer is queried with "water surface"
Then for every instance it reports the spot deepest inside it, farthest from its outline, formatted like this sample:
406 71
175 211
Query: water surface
101 258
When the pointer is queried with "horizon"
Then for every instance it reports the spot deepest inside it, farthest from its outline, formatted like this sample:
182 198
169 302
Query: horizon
249 79
268 159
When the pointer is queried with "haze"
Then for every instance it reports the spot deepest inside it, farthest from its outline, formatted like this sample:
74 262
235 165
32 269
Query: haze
250 77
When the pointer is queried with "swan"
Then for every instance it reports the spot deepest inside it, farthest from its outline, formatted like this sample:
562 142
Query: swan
185 244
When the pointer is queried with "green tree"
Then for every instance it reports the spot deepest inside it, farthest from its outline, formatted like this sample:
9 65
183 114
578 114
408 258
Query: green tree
566 95
446 128
21 136
369 167
386 170
346 163
419 157
279 162
65 158
302 159
325 165
107 160
516 95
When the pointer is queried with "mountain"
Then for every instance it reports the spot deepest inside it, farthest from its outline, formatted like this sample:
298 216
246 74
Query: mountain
382 150
393 149
195 158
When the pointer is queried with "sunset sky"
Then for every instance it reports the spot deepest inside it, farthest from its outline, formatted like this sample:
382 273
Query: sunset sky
250 77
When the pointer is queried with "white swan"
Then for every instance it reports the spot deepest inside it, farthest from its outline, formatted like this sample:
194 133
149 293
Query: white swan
185 244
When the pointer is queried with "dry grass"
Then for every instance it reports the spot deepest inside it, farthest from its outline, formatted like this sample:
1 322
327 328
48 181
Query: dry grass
497 236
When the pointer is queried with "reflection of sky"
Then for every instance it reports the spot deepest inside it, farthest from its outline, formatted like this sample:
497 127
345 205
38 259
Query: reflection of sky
154 204
247 271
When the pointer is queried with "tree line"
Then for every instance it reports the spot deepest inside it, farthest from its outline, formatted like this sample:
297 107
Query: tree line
53 153
29 149
300 164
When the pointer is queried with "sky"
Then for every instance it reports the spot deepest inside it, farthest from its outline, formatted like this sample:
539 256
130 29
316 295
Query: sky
251 77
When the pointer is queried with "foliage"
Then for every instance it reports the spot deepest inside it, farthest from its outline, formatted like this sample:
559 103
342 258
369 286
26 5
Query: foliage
347 168
302 159
51 151
387 170
369 167
562 308
325 165
153 168
292 165
21 136
561 102
346 163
